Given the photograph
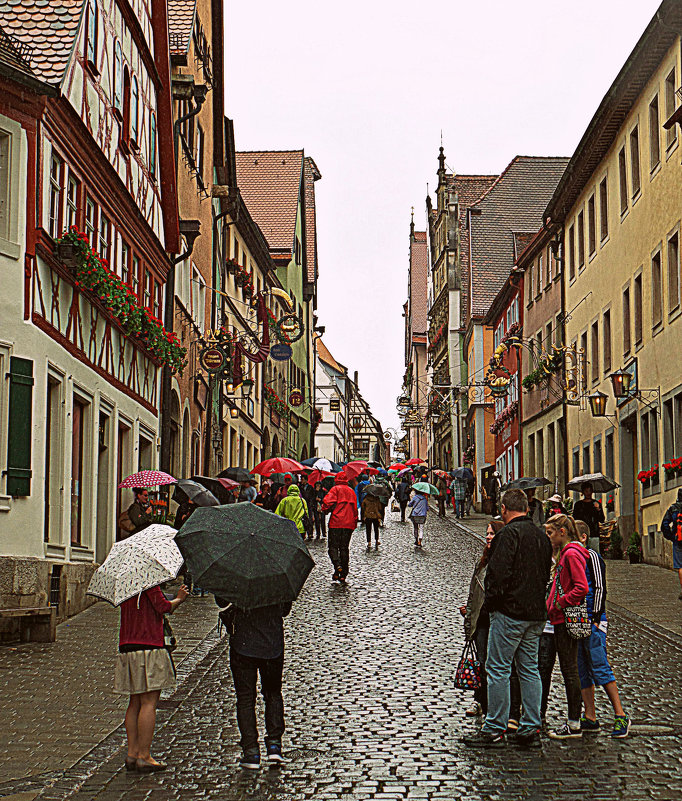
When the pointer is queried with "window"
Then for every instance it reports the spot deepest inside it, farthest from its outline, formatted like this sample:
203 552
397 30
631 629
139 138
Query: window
571 253
198 298
297 251
135 278
638 308
581 240
72 201
118 78
531 283
591 226
674 271
603 210
126 253
576 463
586 458
548 335
623 177
595 351
672 432
152 146
158 300
531 456
148 287
550 264
634 162
56 173
654 135
670 102
78 471
656 290
583 376
104 237
649 449
559 330
597 465
124 136
134 109
609 456
91 222
626 320
540 270
606 345
91 27
200 153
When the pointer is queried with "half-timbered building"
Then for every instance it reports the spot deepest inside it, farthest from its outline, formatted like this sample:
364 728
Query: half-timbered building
86 147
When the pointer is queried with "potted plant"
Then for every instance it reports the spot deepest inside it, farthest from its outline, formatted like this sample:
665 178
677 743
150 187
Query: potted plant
615 545
635 548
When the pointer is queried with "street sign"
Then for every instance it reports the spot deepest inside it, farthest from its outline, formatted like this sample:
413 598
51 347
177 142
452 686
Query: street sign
212 359
335 405
296 398
281 352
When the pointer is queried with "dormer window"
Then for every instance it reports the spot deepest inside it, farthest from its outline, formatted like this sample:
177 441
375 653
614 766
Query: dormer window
118 78
91 27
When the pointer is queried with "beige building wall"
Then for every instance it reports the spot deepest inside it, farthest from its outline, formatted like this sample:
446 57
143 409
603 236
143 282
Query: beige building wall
623 301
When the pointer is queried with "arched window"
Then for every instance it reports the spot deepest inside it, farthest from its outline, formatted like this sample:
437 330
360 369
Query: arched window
152 146
91 28
118 77
134 108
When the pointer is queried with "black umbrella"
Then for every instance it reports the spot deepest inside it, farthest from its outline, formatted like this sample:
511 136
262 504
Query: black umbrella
244 554
526 482
462 473
188 490
236 474
600 482
378 491
214 485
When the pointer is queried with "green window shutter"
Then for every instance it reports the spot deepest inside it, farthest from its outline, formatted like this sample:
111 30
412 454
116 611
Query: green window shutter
19 426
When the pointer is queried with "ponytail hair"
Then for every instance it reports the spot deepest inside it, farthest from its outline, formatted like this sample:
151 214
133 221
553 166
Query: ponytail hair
566 522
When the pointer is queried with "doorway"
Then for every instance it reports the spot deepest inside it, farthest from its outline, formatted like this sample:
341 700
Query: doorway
629 490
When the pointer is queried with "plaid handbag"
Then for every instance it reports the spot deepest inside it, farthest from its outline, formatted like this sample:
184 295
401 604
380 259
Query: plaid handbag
468 673
578 622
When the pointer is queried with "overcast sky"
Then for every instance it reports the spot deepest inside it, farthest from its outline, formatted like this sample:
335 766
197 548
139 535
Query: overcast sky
366 89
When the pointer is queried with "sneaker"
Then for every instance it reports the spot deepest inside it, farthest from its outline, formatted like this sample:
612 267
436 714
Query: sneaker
474 710
564 732
621 726
588 725
335 576
484 739
530 740
250 761
275 753
512 725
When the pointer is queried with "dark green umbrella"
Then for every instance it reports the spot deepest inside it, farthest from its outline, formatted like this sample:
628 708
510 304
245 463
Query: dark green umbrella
236 474
378 491
245 554
188 490
526 482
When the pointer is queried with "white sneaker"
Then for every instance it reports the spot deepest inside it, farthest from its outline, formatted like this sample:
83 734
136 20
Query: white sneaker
474 710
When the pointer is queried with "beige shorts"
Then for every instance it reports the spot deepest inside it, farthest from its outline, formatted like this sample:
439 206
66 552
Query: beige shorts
143 671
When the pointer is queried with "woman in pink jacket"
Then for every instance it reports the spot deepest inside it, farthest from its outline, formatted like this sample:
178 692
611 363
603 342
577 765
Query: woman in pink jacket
570 573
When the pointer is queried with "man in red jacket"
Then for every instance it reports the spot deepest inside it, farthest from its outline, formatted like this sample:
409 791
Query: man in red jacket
342 502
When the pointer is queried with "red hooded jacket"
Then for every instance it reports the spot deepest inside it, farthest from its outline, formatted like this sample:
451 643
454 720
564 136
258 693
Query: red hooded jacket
571 574
342 502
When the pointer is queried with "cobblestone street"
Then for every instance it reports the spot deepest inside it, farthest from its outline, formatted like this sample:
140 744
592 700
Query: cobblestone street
371 710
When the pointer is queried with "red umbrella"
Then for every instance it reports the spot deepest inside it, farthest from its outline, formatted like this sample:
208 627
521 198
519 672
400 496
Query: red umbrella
410 462
318 475
147 478
353 469
278 465
397 466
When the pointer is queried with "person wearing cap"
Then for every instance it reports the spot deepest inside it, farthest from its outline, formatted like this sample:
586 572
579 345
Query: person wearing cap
556 506
535 510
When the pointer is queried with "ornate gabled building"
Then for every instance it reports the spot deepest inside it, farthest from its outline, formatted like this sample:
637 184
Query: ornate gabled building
448 293
86 145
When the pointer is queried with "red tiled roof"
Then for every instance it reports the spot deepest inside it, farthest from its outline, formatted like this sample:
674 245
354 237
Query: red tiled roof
515 202
270 183
326 357
50 28
418 287
180 25
311 174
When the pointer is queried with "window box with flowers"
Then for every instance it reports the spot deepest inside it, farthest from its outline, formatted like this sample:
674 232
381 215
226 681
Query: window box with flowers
275 402
438 336
231 266
673 472
92 275
504 417
649 480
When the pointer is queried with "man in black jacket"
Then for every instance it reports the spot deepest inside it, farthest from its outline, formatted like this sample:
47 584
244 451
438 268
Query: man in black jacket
515 588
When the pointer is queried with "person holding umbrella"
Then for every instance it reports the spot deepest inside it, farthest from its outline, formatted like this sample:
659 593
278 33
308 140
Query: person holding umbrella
589 510
442 495
402 495
459 494
371 511
140 510
318 514
420 509
341 501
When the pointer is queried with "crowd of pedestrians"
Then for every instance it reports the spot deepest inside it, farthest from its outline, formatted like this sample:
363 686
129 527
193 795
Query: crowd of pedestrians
538 593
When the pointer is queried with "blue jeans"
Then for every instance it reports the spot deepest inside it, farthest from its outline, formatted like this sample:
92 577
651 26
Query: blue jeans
511 639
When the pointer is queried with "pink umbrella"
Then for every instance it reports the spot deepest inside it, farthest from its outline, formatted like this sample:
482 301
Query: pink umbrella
147 478
353 469
278 465
228 483
318 475
415 461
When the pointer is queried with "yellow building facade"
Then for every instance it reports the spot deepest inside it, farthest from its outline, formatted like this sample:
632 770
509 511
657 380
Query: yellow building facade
618 209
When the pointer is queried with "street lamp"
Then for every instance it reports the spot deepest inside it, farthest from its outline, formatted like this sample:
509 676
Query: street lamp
234 412
621 382
598 403
229 389
247 386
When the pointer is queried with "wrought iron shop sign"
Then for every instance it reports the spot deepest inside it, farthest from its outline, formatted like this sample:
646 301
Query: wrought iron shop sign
212 359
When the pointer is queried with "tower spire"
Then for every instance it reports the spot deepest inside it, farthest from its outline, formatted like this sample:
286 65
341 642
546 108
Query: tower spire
412 224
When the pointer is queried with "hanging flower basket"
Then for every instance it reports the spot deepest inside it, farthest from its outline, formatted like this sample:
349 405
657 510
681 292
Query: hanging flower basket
93 275
276 403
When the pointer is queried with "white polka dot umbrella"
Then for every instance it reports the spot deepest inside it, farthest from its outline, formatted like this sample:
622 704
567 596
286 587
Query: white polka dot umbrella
136 564
147 478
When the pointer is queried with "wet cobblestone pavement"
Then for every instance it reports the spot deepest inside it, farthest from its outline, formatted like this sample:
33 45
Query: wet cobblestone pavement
371 710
